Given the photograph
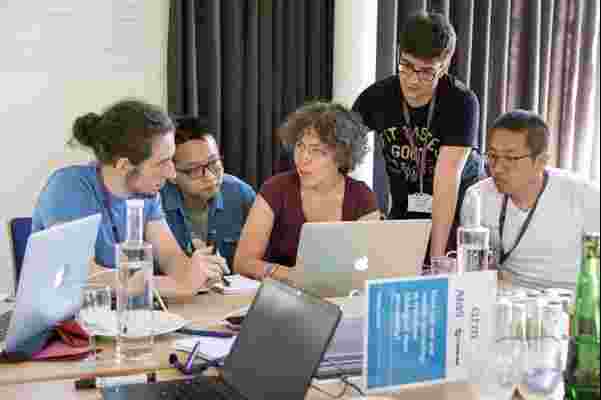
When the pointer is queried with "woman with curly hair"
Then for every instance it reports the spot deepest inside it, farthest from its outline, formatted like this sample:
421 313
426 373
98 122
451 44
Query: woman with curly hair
329 142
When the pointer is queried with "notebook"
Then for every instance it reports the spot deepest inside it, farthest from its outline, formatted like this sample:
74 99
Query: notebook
336 258
238 285
274 357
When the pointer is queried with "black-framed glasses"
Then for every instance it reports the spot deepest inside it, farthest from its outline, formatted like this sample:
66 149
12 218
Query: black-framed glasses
213 165
493 159
423 75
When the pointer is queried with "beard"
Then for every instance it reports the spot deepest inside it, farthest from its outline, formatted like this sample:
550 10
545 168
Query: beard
136 185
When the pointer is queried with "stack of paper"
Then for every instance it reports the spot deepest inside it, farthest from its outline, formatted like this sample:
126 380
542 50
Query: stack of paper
238 285
210 348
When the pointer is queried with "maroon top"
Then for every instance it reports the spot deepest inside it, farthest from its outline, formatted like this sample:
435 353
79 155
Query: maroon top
282 193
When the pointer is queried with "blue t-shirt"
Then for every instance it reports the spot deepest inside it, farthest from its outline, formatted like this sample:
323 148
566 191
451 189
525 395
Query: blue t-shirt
76 192
227 214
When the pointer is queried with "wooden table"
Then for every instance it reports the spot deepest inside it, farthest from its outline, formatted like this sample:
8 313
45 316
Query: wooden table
55 380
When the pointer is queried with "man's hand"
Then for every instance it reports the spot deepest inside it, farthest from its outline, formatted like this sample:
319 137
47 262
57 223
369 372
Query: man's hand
211 265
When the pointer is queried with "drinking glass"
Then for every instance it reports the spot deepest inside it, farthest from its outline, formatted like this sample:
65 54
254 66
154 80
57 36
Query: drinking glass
444 264
542 379
498 369
94 315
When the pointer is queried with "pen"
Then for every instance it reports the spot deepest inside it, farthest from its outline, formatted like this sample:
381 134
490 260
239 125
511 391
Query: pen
108 381
203 332
215 251
158 297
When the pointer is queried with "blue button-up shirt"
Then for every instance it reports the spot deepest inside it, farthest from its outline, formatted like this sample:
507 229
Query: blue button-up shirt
227 214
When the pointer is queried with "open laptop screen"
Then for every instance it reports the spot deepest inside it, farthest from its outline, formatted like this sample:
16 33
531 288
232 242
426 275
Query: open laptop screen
335 258
281 343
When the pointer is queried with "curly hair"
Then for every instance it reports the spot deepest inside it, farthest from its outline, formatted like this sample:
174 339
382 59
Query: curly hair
336 126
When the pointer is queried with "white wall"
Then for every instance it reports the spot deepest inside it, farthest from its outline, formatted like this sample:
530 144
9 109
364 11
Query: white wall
60 59
355 44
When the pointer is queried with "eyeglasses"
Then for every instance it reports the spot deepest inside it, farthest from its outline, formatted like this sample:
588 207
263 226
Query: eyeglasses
424 75
494 159
313 153
212 165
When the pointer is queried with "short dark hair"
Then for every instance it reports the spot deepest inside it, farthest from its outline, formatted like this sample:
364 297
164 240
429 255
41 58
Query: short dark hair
427 36
190 128
528 122
336 126
125 129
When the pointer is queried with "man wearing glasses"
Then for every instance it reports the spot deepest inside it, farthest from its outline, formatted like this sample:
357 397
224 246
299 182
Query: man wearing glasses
426 123
203 205
536 215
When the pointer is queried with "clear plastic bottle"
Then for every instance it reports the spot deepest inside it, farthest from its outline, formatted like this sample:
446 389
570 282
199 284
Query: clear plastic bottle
473 240
134 261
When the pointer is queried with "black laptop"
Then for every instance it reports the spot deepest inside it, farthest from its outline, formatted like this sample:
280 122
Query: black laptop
281 342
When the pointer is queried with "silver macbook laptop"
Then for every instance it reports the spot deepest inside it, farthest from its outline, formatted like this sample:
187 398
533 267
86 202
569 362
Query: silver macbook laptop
336 258
55 268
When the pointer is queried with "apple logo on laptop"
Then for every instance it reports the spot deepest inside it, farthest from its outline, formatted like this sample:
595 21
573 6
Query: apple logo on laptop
59 278
361 264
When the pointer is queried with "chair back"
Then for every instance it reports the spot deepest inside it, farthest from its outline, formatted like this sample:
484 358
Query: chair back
19 230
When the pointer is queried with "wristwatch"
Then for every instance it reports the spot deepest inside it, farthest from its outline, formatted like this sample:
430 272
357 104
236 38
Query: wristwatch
269 269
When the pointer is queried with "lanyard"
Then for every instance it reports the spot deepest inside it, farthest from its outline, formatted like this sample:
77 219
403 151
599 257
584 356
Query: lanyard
505 255
107 205
420 156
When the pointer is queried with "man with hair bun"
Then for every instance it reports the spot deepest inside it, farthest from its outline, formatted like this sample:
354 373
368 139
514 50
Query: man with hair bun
134 145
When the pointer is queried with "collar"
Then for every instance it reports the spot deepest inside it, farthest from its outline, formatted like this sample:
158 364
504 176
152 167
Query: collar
174 200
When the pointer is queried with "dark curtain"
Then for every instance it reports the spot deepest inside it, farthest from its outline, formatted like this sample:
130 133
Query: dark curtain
244 65
541 55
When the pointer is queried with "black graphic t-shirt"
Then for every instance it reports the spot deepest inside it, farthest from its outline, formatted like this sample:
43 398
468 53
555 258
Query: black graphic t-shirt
454 123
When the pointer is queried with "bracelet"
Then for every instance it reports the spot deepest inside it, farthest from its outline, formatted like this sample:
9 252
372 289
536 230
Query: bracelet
269 269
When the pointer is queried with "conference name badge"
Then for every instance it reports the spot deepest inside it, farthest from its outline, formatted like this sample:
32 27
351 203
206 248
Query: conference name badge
420 203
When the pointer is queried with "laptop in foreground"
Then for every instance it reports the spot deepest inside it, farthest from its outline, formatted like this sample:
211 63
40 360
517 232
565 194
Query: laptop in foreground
336 258
55 268
276 353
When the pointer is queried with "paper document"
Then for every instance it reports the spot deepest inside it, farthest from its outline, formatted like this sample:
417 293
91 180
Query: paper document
210 348
238 285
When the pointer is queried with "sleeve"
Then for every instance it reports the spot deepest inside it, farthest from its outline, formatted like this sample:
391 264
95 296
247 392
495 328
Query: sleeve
65 197
365 200
153 209
248 198
362 107
272 191
463 122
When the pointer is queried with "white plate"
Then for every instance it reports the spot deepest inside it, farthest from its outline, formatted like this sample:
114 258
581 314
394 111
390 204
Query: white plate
160 321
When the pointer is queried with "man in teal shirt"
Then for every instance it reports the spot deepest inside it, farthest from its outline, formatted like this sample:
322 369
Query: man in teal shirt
204 203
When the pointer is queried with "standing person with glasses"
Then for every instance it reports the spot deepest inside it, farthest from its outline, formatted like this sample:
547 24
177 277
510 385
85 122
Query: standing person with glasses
426 124
204 205
329 142
134 145
537 215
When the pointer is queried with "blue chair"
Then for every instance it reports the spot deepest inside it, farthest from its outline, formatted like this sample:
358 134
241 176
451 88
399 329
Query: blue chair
19 230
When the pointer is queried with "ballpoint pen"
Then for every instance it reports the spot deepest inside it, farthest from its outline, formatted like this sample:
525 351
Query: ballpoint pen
214 252
205 332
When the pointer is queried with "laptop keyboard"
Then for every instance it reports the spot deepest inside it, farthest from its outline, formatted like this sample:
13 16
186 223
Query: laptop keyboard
189 389
4 323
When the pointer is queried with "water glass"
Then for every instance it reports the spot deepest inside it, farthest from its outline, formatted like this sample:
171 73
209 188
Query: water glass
498 368
93 315
443 264
543 377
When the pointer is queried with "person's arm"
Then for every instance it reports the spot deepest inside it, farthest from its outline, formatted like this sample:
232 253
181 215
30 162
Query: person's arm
372 216
254 240
188 273
447 177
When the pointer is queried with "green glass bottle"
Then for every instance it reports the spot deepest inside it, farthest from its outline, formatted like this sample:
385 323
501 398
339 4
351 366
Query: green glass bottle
582 370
